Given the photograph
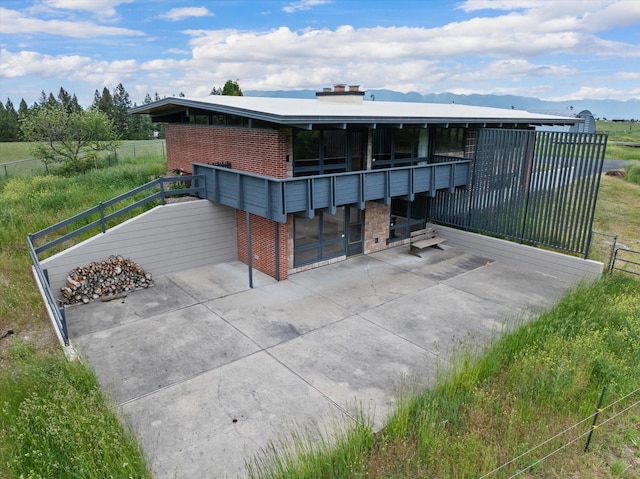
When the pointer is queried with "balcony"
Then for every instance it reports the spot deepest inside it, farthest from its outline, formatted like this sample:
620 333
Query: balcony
274 198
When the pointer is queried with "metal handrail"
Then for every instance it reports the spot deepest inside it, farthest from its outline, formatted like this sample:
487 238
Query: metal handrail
197 190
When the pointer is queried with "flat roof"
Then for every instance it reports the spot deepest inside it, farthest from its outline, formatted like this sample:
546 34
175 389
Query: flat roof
300 112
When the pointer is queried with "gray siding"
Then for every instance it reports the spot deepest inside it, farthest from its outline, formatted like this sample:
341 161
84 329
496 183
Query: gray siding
568 268
163 240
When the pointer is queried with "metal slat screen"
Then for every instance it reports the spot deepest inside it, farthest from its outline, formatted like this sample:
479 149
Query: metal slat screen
537 188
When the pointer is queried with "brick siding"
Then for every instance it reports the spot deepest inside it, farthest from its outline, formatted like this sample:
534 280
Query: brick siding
261 151
377 218
262 244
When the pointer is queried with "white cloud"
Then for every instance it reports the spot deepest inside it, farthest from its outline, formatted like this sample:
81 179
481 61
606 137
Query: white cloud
181 13
67 67
599 93
104 7
628 75
304 5
13 22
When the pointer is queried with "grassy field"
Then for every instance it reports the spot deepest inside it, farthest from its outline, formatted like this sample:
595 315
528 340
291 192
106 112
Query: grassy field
53 418
628 131
47 404
13 155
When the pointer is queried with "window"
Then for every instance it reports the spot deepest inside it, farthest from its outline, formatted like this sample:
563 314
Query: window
449 141
318 238
407 216
320 152
395 147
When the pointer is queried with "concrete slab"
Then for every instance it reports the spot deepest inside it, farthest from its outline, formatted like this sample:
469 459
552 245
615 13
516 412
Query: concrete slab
504 284
361 283
138 358
161 298
278 312
442 318
219 280
201 349
209 426
358 365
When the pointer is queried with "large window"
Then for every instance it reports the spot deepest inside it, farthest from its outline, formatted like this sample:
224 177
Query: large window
318 238
449 141
320 152
407 216
396 147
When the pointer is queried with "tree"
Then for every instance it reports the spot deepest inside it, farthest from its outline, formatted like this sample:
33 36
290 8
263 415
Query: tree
120 115
230 88
71 139
8 122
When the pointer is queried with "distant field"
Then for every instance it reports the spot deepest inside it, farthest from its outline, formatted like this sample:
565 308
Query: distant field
12 155
627 131
15 150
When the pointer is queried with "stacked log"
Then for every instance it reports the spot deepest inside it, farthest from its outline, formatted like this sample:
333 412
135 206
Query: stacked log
107 279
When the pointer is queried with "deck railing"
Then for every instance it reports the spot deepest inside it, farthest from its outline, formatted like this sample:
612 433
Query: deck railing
188 185
274 198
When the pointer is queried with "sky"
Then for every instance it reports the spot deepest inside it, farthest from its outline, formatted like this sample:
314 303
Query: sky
549 49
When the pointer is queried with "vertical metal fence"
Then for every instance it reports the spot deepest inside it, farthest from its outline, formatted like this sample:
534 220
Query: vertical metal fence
538 188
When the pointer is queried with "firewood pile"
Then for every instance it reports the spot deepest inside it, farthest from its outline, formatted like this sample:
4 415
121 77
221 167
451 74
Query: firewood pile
108 279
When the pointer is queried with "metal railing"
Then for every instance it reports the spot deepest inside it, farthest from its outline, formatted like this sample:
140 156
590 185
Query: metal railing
536 188
275 198
189 185
623 255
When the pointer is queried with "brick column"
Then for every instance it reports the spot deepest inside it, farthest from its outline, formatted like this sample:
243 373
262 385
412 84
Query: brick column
376 230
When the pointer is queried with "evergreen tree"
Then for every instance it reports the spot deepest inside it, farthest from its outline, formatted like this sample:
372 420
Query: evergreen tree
231 88
121 105
8 122
147 99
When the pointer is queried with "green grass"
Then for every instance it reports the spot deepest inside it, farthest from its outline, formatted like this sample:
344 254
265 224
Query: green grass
526 387
53 419
628 132
56 422
16 158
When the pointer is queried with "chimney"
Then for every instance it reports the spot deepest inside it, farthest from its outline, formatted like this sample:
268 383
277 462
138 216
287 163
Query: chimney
340 94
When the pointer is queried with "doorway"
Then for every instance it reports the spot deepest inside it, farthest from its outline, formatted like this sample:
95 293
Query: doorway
355 230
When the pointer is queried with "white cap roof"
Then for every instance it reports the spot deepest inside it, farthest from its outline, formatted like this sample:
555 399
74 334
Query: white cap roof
295 111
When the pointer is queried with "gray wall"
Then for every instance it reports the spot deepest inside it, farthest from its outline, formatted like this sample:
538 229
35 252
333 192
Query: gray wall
567 268
163 240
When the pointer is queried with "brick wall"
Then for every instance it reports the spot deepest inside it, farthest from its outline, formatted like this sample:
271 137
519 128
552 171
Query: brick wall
377 218
261 151
262 244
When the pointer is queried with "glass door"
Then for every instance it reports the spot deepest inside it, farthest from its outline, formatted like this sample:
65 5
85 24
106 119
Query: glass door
355 230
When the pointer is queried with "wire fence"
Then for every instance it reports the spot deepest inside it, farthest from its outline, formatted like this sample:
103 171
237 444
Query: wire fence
34 166
531 465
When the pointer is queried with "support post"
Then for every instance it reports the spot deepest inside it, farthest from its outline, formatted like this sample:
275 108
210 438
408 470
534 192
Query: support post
250 255
277 241
595 419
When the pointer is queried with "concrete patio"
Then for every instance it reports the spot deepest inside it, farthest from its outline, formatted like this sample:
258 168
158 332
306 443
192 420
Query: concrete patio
208 371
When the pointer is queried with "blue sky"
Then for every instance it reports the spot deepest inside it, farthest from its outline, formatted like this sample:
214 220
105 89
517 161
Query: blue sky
549 49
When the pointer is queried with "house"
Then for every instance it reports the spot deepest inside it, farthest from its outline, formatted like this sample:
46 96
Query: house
319 180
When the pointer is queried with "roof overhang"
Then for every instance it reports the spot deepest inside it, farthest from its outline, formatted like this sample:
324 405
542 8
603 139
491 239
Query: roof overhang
307 113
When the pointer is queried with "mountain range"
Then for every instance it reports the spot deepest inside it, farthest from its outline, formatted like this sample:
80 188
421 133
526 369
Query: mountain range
601 109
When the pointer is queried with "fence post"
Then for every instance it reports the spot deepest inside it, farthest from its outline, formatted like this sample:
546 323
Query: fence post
161 179
102 218
6 174
595 419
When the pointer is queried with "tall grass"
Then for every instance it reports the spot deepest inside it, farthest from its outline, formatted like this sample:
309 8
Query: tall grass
53 420
57 423
526 387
